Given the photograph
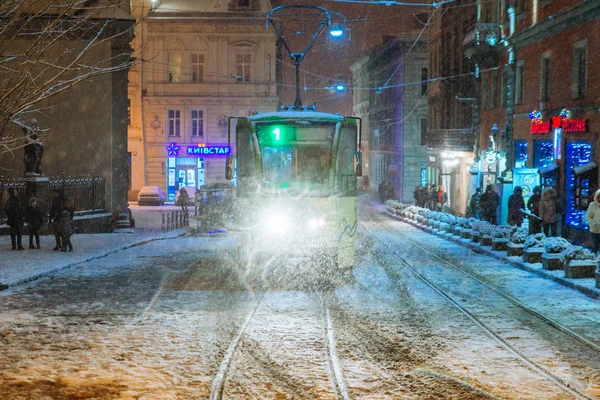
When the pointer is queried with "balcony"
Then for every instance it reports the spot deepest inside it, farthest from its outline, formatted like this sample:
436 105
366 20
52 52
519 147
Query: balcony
451 139
482 44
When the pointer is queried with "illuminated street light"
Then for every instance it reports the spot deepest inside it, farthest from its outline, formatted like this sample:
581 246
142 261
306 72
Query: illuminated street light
340 87
336 30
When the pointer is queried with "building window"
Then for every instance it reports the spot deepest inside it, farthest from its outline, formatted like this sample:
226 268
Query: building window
197 123
543 153
494 90
520 154
545 78
242 66
521 6
196 68
174 122
423 81
519 82
579 70
484 92
174 68
423 131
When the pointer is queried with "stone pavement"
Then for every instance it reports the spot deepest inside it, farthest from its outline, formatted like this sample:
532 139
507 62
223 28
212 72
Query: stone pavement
586 286
18 267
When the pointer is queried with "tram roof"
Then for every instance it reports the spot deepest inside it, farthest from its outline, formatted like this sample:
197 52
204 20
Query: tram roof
296 115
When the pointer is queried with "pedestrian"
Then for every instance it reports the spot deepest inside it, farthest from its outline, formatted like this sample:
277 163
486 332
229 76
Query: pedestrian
442 198
390 191
533 205
548 212
474 204
592 218
54 218
365 183
417 195
14 213
382 191
489 203
516 204
197 201
34 222
66 224
184 199
432 197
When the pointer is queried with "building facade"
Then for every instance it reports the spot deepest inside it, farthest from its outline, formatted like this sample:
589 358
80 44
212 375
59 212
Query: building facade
540 100
452 101
394 116
204 62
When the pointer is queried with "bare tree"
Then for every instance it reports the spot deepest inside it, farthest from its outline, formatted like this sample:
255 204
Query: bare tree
49 46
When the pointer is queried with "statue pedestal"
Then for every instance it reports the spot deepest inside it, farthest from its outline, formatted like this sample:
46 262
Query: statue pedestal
38 186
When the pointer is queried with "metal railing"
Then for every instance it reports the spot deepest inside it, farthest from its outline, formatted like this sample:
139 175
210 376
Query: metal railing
87 192
172 220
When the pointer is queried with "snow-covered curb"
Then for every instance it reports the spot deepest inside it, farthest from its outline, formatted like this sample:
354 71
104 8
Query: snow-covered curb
576 284
55 269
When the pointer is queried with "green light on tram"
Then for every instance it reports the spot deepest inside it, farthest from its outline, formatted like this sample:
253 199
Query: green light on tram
277 133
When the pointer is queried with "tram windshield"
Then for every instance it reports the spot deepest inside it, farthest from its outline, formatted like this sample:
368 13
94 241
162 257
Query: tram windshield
297 159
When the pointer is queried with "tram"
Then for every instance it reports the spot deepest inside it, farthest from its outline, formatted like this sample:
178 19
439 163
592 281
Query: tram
297 187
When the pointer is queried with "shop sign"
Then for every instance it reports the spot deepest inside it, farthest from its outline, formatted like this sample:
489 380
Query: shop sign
200 150
562 121
208 150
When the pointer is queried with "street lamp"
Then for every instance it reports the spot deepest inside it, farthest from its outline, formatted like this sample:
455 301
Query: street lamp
336 30
340 87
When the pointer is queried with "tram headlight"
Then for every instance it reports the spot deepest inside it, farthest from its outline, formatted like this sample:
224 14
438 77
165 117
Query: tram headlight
277 224
316 223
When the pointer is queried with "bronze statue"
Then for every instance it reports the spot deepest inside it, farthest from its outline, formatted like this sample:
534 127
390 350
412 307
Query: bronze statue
34 148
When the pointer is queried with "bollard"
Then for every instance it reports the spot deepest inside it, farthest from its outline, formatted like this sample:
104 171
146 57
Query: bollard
164 226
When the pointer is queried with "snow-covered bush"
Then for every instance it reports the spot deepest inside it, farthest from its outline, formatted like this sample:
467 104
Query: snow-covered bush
536 240
518 236
500 232
482 227
577 253
555 245
464 223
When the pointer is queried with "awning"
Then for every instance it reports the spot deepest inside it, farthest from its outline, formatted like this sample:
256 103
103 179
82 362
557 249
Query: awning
548 168
584 168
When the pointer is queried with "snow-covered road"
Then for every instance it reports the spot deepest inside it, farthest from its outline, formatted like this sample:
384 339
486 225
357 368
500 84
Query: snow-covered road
157 322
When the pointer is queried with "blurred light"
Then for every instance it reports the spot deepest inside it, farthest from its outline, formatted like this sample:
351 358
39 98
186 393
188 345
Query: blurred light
340 87
315 223
277 133
276 224
336 30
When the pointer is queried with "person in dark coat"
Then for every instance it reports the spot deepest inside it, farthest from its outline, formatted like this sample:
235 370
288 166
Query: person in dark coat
66 224
34 220
54 218
14 212
474 204
432 197
516 203
489 203
390 192
382 189
533 205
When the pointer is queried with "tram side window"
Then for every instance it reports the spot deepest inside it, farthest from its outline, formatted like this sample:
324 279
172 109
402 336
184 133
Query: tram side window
345 174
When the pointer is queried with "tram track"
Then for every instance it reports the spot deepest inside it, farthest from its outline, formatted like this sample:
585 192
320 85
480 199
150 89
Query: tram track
550 321
334 369
491 332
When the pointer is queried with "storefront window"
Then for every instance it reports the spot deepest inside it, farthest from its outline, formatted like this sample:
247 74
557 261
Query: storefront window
578 153
520 154
543 153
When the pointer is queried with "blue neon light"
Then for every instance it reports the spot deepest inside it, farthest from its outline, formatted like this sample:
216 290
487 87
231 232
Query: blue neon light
578 153
521 154
205 150
172 150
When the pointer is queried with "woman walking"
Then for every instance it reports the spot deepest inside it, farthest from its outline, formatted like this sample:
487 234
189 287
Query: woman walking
548 212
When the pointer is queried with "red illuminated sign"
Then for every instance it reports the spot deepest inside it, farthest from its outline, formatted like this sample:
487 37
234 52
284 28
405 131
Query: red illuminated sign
567 125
